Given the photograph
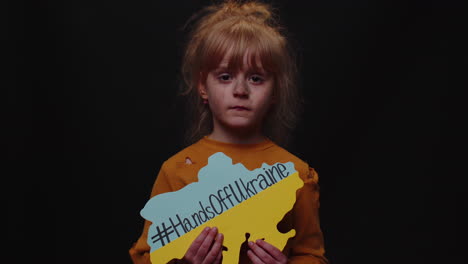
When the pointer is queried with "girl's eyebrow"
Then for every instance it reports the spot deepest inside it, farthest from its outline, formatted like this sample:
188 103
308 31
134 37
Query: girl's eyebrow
221 68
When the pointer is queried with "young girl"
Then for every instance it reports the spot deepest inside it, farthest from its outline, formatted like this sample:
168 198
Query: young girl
240 74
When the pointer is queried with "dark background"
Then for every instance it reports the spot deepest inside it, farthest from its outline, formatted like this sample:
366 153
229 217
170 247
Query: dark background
92 112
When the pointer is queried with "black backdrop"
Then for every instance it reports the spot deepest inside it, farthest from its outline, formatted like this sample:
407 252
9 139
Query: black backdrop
92 112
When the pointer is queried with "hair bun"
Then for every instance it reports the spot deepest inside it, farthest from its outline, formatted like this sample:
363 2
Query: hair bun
250 9
257 10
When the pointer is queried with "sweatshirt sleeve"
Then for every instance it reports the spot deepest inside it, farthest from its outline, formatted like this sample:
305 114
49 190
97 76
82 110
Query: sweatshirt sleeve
140 250
308 245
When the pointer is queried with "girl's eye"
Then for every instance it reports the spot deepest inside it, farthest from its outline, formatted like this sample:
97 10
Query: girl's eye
224 77
256 79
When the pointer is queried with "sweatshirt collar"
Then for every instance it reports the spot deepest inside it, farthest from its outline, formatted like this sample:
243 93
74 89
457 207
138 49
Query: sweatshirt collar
219 145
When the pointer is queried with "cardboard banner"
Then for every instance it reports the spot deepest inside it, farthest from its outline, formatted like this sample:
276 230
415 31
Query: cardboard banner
227 196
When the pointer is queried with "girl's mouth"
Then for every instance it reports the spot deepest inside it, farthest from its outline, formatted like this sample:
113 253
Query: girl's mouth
240 108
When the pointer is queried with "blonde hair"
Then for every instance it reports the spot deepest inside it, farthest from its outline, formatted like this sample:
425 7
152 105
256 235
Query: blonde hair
234 27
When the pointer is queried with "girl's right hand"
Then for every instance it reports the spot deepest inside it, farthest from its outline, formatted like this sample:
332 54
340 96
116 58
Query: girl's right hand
207 248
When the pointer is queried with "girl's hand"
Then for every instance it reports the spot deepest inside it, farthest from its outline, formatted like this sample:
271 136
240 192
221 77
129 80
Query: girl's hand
140 252
262 252
207 248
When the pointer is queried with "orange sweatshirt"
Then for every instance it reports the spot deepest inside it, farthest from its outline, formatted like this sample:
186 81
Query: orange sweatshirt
305 247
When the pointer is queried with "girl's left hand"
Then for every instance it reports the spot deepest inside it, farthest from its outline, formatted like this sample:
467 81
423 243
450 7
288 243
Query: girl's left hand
262 252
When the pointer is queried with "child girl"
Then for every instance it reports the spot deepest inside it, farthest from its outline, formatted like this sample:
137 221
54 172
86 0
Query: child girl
240 74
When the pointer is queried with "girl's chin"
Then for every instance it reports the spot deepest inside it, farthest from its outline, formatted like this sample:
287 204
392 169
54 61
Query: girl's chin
239 124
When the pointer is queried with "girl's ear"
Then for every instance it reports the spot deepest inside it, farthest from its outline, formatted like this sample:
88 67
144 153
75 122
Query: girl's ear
202 87
202 90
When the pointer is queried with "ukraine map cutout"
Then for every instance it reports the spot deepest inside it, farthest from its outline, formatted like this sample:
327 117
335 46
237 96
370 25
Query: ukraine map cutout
229 196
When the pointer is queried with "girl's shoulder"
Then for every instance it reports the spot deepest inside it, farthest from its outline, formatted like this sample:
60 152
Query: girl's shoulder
190 155
306 171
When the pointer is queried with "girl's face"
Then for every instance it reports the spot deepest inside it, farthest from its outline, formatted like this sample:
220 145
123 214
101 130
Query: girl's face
238 100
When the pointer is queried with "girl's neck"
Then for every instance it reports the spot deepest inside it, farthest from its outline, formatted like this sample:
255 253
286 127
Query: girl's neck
231 136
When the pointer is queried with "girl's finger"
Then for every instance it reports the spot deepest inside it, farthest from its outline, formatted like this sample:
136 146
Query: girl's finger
193 249
261 253
253 257
219 258
215 250
206 244
272 251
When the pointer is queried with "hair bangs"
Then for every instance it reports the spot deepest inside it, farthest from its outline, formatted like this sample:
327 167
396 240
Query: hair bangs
234 42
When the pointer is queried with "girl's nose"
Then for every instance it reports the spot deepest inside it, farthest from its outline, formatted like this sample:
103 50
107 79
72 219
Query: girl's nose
241 89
